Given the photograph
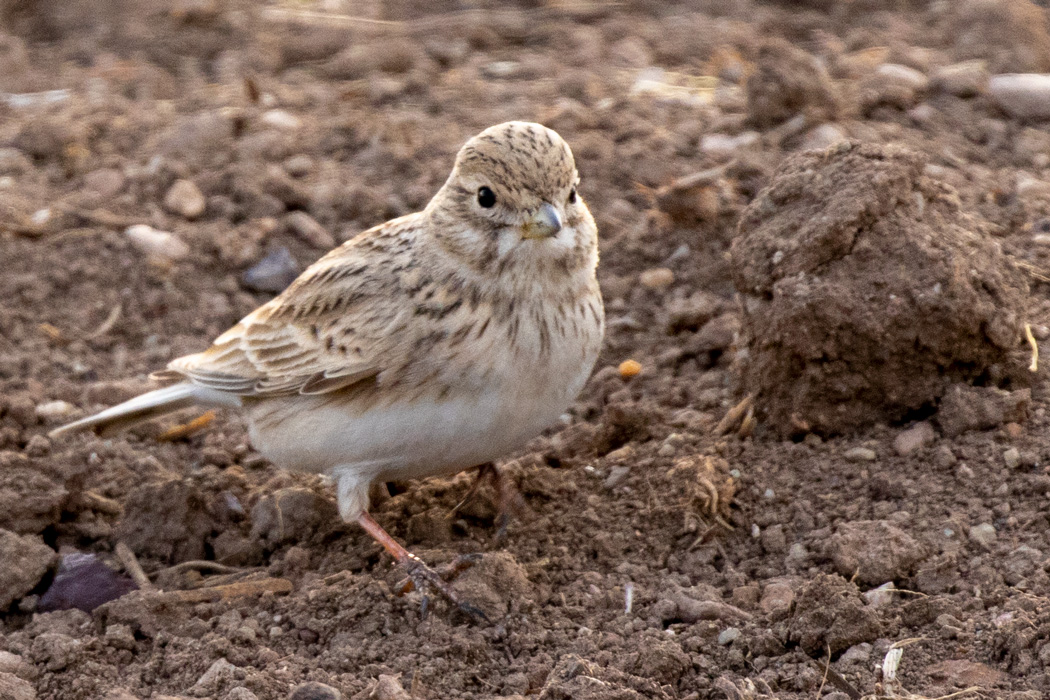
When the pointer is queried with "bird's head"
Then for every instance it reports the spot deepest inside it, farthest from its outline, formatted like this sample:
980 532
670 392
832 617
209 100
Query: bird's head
511 205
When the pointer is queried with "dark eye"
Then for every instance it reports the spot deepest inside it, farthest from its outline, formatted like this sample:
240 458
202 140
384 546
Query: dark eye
572 196
486 197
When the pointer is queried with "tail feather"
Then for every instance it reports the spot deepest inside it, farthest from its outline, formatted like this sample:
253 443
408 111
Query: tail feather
147 406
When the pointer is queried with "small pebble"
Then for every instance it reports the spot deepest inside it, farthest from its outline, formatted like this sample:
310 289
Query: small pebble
860 454
903 75
1012 458
728 636
984 534
388 688
658 278
299 165
238 694
1021 95
944 458
105 182
914 439
54 410
309 230
777 599
281 119
83 582
315 691
273 273
724 146
965 79
882 596
221 671
630 368
823 136
185 199
158 245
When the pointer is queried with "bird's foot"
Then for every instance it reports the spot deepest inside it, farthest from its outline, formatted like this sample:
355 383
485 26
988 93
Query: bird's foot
424 579
509 502
420 576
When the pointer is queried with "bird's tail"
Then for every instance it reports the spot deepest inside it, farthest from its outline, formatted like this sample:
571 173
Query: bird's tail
149 405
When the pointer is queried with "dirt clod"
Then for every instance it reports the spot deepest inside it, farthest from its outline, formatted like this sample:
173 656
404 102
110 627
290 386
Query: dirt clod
788 82
292 515
874 551
965 408
831 614
14 688
868 291
25 561
496 584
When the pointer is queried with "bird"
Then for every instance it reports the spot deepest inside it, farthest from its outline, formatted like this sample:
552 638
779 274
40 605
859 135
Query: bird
427 345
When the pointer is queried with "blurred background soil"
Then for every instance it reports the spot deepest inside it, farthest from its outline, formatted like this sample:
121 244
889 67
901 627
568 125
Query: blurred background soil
825 241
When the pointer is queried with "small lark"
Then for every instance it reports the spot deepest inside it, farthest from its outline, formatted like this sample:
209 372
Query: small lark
432 343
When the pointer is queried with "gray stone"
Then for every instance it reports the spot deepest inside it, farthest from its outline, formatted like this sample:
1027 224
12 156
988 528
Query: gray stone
984 534
914 439
273 273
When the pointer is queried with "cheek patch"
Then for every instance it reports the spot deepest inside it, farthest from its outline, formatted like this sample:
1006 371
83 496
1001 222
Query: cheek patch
506 241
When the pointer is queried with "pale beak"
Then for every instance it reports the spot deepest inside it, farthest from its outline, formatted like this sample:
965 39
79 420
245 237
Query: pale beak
545 223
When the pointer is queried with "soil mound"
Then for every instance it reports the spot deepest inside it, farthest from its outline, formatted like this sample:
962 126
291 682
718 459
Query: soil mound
867 291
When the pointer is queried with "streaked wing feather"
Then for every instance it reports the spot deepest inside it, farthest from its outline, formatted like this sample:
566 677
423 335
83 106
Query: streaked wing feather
316 337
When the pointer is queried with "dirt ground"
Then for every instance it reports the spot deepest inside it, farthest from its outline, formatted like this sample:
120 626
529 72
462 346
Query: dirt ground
898 545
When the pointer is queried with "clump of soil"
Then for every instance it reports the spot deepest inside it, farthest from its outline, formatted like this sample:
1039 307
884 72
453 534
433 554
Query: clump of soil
1012 35
788 81
867 291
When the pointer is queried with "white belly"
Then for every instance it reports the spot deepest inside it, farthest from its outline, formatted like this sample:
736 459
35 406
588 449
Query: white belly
423 438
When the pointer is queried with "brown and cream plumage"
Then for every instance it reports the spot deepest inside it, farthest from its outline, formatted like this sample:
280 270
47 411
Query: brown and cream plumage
429 344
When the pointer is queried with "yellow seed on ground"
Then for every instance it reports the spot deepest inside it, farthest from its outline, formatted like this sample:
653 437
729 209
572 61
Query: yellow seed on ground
629 368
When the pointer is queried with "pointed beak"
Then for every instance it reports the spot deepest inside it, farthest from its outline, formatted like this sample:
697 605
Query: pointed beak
545 223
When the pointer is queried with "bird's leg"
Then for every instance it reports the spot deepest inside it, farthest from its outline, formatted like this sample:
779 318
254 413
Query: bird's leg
420 575
486 470
508 499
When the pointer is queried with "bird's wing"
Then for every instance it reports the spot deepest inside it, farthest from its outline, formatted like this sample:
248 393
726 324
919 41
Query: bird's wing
329 330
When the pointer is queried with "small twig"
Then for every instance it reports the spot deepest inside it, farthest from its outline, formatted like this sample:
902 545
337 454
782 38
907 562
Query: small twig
1034 367
238 589
132 566
827 667
199 565
735 415
99 217
107 325
22 229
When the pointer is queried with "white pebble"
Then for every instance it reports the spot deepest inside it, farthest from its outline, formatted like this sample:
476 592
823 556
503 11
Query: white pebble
1021 95
903 75
157 244
725 146
280 119
860 454
52 410
185 199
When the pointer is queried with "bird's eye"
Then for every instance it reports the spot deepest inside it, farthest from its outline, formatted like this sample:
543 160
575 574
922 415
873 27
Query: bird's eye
486 197
572 196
